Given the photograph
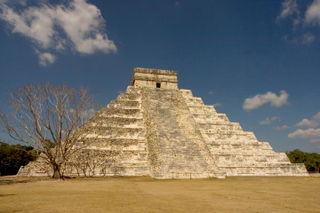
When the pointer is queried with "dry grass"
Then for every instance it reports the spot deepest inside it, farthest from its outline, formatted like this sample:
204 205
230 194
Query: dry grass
241 194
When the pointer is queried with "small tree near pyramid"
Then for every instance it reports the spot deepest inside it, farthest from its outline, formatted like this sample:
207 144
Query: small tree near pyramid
47 118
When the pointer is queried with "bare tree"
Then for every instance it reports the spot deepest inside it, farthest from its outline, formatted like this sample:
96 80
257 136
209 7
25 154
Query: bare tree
47 118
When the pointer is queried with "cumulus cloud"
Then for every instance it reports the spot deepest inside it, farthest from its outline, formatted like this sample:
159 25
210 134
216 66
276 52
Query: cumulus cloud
268 120
289 8
78 25
283 127
312 15
269 97
313 122
312 134
46 58
307 123
316 116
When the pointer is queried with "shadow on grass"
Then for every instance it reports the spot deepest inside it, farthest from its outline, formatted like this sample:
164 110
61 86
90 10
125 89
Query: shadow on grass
5 180
6 195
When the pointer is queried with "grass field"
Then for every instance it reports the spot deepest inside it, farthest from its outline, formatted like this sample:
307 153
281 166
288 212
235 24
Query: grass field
143 194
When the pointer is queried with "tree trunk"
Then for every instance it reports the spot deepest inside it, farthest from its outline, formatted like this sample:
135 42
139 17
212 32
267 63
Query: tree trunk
56 172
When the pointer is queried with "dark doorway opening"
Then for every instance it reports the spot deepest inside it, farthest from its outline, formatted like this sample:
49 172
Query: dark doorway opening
158 85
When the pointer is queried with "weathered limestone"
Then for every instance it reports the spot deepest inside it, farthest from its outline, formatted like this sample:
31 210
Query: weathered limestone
158 130
236 152
153 78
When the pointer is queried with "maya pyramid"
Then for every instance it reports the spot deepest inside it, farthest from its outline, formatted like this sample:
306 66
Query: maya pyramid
155 129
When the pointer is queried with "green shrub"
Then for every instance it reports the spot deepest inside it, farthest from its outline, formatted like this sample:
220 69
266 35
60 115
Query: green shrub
14 156
310 160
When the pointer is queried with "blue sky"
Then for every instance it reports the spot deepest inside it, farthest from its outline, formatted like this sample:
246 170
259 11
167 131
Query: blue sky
257 61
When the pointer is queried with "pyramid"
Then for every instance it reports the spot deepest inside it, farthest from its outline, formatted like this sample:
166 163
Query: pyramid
155 129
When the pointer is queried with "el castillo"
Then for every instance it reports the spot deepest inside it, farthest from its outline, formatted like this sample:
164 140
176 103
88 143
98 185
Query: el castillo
157 129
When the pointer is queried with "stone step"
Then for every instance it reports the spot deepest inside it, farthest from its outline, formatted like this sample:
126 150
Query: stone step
125 104
223 132
186 92
106 142
248 159
285 170
123 111
234 145
185 175
105 156
118 147
116 121
113 112
244 151
202 117
220 142
135 90
212 133
116 132
208 116
129 96
202 109
106 130
219 127
194 100
256 165
111 116
241 137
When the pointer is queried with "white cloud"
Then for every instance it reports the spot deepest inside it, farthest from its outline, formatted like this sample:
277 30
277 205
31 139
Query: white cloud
46 58
283 127
217 105
307 123
314 122
268 120
312 15
312 134
84 24
78 25
34 23
289 8
269 97
316 116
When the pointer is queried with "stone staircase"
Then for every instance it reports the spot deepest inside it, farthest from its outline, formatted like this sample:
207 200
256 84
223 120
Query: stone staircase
180 151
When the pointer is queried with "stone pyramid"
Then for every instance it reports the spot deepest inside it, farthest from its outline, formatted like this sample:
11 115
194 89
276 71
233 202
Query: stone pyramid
155 129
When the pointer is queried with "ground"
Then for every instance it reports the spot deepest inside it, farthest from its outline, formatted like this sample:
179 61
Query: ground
143 194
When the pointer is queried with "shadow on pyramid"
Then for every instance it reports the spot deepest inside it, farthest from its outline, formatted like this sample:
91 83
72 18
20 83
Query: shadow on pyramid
155 129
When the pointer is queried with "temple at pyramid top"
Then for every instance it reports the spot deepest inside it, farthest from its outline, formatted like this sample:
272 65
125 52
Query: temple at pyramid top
154 78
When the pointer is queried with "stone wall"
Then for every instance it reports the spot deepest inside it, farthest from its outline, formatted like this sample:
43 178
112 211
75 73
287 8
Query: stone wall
143 77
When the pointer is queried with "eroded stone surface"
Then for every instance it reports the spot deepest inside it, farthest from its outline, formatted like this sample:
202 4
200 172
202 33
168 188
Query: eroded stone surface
167 133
